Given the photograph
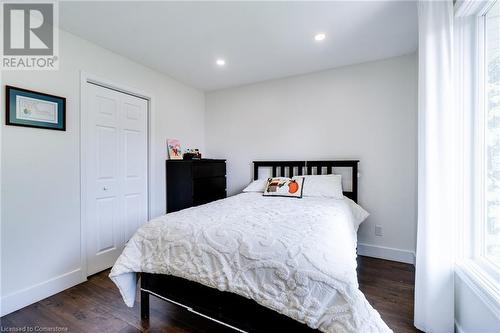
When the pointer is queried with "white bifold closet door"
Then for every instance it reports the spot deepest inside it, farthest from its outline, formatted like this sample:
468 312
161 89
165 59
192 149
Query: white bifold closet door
116 172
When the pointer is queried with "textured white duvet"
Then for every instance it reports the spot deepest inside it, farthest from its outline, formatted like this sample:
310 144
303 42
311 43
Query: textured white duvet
295 256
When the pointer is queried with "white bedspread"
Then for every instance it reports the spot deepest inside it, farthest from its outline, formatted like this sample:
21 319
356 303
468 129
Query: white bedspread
295 256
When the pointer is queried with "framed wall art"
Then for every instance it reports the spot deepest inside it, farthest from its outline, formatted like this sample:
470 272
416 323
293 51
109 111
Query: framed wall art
34 109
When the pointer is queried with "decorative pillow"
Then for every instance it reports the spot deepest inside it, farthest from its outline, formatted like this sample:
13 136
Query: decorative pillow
328 186
284 187
258 185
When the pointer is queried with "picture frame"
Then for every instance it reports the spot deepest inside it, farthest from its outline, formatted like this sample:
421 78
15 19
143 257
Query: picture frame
34 109
174 149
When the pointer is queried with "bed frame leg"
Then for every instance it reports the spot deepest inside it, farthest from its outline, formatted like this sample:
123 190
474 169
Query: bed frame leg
144 304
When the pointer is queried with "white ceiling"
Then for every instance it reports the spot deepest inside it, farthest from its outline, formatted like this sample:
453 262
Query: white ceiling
258 40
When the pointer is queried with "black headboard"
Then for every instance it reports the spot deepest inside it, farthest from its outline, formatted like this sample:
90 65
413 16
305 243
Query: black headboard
299 168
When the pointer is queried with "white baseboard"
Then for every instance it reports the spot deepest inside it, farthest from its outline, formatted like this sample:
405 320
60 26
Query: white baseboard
387 253
37 292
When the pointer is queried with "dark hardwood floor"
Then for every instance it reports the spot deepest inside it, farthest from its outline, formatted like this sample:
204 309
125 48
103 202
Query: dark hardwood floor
96 306
389 287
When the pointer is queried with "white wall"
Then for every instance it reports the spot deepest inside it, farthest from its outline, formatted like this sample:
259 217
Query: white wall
366 112
40 169
472 314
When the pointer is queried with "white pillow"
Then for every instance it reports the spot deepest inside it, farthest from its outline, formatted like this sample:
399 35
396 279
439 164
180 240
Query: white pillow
258 185
328 186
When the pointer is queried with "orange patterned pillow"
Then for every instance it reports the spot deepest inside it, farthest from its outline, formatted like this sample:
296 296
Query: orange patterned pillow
284 187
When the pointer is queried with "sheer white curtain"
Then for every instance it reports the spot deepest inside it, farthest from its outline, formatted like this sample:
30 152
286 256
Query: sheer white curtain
434 289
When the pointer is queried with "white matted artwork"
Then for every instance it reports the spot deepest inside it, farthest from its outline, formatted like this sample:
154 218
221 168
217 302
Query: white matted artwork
28 108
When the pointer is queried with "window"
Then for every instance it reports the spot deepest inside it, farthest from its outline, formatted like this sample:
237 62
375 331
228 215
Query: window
491 220
477 78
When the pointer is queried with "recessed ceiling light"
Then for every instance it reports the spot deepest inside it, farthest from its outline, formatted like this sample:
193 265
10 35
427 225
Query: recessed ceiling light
220 62
319 37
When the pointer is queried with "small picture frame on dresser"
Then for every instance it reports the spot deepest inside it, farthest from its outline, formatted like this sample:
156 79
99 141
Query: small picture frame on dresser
174 149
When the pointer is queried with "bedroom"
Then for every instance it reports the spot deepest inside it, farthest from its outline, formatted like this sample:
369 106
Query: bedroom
324 112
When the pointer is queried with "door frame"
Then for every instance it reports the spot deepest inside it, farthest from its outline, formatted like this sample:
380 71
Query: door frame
86 78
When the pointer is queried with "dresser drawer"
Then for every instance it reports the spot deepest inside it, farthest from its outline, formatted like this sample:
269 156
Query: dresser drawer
204 170
209 189
203 200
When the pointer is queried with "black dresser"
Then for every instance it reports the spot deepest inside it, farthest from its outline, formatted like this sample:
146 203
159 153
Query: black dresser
194 182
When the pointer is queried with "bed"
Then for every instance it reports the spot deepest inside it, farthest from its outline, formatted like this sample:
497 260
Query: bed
255 263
